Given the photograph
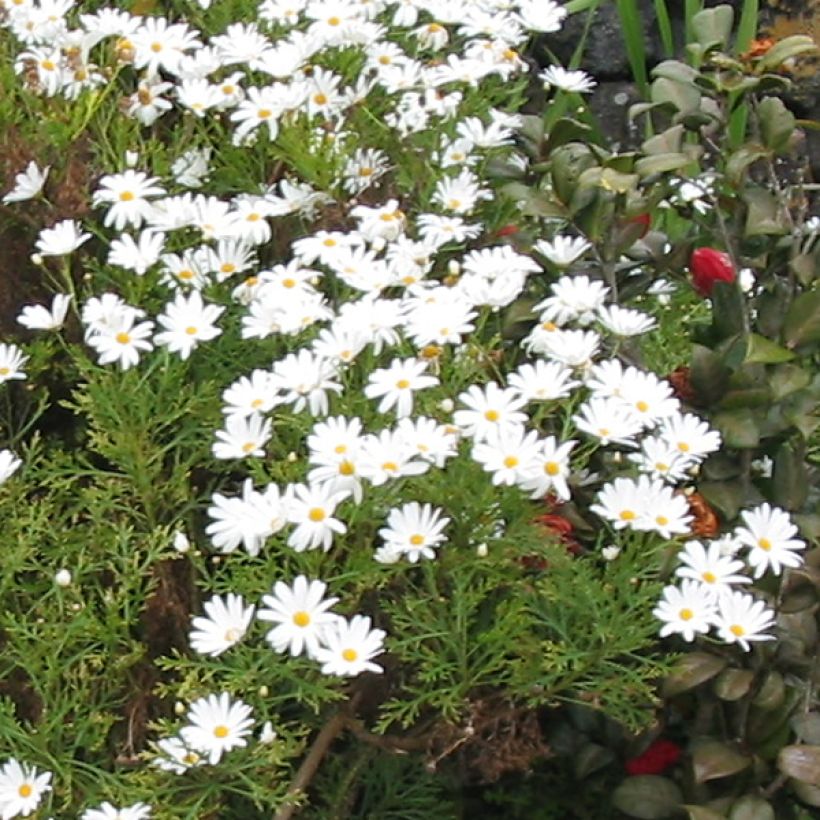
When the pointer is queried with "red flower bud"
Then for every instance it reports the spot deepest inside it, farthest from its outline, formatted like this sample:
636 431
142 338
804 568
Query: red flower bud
507 230
644 221
709 266
658 757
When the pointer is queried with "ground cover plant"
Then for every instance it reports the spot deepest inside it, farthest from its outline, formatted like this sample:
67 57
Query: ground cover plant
355 464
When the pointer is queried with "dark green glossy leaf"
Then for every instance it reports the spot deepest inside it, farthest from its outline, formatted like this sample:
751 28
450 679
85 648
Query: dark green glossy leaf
733 684
709 375
791 479
762 350
712 27
787 379
777 123
661 163
648 797
807 727
568 163
702 813
667 142
726 497
802 762
685 97
802 324
771 693
738 428
751 807
712 760
764 215
691 670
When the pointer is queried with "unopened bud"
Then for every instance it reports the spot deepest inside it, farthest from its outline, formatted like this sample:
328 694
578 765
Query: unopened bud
62 578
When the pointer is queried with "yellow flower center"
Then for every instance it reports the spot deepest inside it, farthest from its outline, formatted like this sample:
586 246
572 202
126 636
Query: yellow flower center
402 384
253 217
346 468
683 447
340 448
416 540
433 28
552 468
329 242
390 467
603 431
737 630
301 618
248 446
25 790
454 204
228 89
288 283
221 731
47 65
257 403
123 338
317 513
350 655
232 635
708 577
642 406
4 371
366 171
549 326
320 99
185 274
126 196
264 113
764 544
227 267
333 21
156 47
491 415
686 614
661 467
510 462
627 515
190 759
190 330
661 520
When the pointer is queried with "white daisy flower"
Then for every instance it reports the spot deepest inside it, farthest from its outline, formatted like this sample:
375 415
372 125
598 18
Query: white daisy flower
395 385
489 411
742 618
21 788
187 322
768 532
27 184
12 360
226 622
348 646
710 567
300 612
63 238
217 725
561 250
243 437
558 77
311 508
107 811
415 530
687 610
9 464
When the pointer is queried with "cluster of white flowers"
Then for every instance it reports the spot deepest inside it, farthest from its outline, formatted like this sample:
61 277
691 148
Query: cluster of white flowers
706 597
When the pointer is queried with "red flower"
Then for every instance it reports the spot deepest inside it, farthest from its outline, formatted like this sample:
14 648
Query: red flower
643 221
709 266
507 230
657 758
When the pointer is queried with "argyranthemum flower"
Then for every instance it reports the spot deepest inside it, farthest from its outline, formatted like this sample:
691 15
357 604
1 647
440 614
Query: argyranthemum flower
414 530
175 756
27 184
217 725
562 250
64 237
742 618
395 385
550 471
242 437
489 411
226 622
311 508
558 77
509 456
107 811
9 464
690 434
348 646
12 360
37 317
686 610
187 322
769 535
710 567
300 612
123 341
21 788
127 196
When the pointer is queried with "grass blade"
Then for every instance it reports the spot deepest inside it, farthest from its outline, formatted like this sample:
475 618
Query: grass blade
632 30
747 27
690 9
665 28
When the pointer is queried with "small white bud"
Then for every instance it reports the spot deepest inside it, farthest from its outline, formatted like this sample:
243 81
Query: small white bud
36 259
611 552
481 550
267 734
453 268
378 243
131 159
62 578
263 691
447 405
181 542
180 708
292 457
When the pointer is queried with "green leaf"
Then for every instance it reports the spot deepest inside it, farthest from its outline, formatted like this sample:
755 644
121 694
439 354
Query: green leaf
667 142
771 693
787 379
738 428
712 27
733 684
802 325
777 123
531 201
708 374
741 159
692 669
764 216
784 50
568 163
747 27
633 35
802 762
648 797
808 794
807 727
805 267
591 758
661 163
725 496
702 813
675 70
712 760
685 97
568 130
761 350
751 807
791 479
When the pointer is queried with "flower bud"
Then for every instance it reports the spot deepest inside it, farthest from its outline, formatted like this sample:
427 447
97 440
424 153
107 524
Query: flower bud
709 266
62 578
